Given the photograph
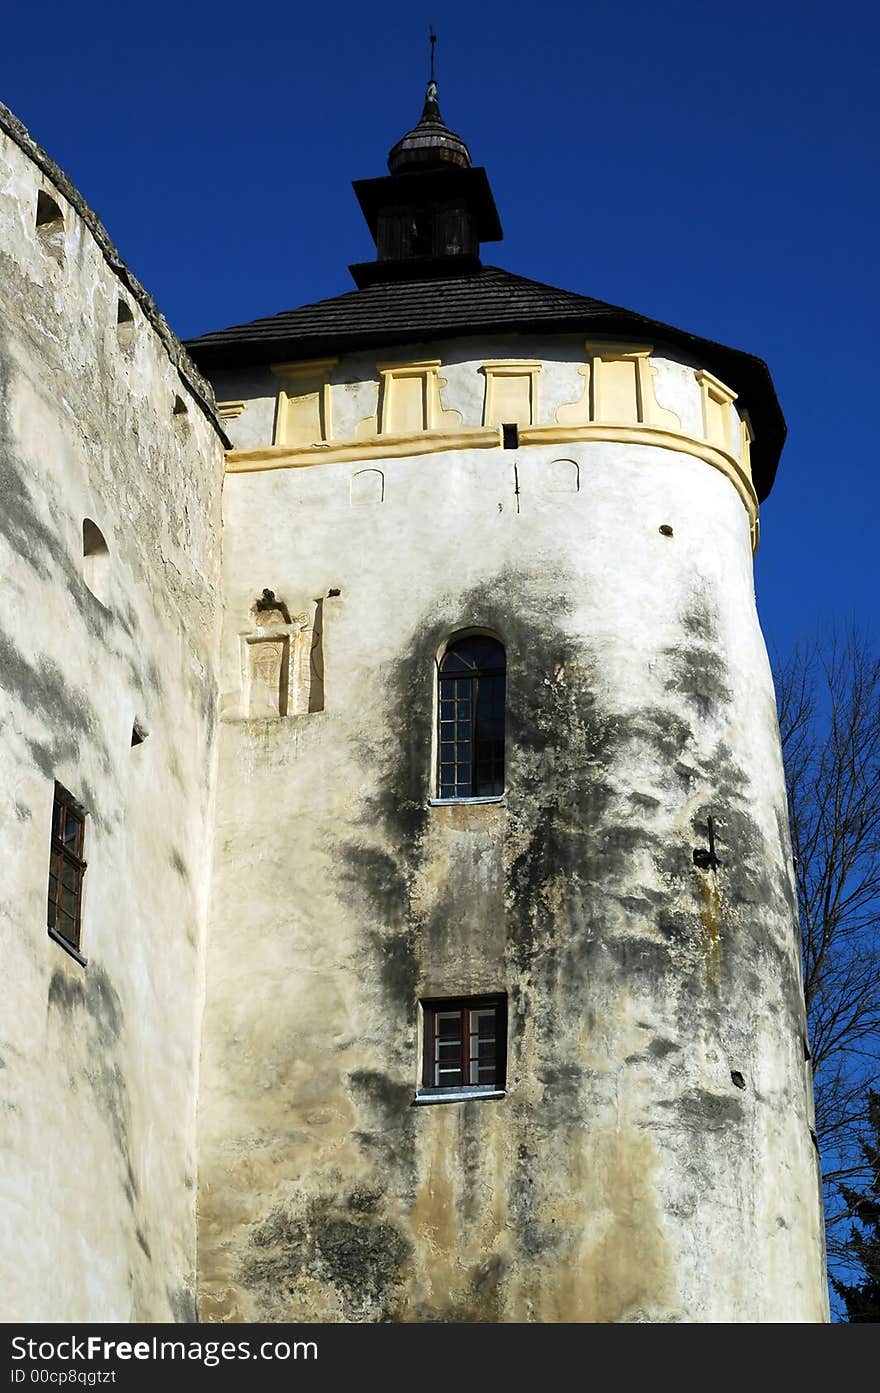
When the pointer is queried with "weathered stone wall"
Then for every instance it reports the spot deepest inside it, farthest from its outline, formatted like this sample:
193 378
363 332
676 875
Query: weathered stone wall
98 1062
626 1175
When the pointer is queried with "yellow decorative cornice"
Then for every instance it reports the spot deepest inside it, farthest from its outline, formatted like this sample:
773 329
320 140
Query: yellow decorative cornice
410 368
708 379
426 373
716 399
423 442
489 437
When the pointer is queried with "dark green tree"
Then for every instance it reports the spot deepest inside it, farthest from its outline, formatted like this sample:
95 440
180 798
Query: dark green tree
862 1298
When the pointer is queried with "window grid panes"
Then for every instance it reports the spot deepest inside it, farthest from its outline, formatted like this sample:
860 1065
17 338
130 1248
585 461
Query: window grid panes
471 697
482 1046
66 867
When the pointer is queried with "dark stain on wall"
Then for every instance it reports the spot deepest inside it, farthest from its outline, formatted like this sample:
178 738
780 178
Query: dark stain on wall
50 546
40 542
599 895
363 1261
94 993
183 1305
702 1109
378 886
332 1241
94 1000
41 686
179 865
482 1304
363 1201
386 1130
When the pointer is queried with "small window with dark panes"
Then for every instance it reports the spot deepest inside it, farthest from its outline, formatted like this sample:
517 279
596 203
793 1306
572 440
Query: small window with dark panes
471 693
66 868
465 1045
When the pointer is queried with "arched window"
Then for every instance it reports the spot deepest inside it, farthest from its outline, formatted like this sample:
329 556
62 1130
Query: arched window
471 685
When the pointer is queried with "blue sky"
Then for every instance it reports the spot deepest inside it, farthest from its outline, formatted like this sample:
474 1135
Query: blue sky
713 167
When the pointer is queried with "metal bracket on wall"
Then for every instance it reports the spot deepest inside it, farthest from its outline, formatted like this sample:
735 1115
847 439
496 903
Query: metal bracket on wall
707 860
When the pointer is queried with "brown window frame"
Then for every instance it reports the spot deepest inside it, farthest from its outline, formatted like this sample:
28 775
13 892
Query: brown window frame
471 720
67 844
463 1007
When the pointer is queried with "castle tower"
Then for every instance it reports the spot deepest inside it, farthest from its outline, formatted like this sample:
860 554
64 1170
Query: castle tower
504 1018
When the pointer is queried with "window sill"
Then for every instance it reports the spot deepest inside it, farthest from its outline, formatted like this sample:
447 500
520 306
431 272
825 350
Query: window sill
67 946
447 802
457 1095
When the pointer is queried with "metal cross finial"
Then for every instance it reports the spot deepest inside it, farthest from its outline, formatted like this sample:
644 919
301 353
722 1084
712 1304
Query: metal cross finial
432 37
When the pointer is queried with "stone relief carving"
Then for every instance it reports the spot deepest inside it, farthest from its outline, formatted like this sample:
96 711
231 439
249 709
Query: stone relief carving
282 661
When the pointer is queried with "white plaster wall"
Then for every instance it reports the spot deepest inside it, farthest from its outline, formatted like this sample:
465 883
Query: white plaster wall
354 392
256 424
676 389
97 1159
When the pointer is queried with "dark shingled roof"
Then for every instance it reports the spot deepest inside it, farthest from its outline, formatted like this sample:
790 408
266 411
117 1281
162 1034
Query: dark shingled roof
485 301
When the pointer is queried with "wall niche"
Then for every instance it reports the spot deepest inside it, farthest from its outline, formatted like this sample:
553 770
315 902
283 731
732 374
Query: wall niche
282 661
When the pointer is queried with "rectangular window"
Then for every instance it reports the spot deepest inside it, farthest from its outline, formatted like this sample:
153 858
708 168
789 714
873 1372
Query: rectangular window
465 1046
66 868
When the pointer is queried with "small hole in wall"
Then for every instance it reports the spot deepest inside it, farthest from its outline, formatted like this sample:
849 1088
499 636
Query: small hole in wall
179 406
96 560
665 529
737 1079
139 733
510 437
48 211
124 324
49 224
331 594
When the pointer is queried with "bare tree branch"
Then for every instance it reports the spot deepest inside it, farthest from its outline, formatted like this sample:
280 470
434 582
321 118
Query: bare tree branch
828 696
